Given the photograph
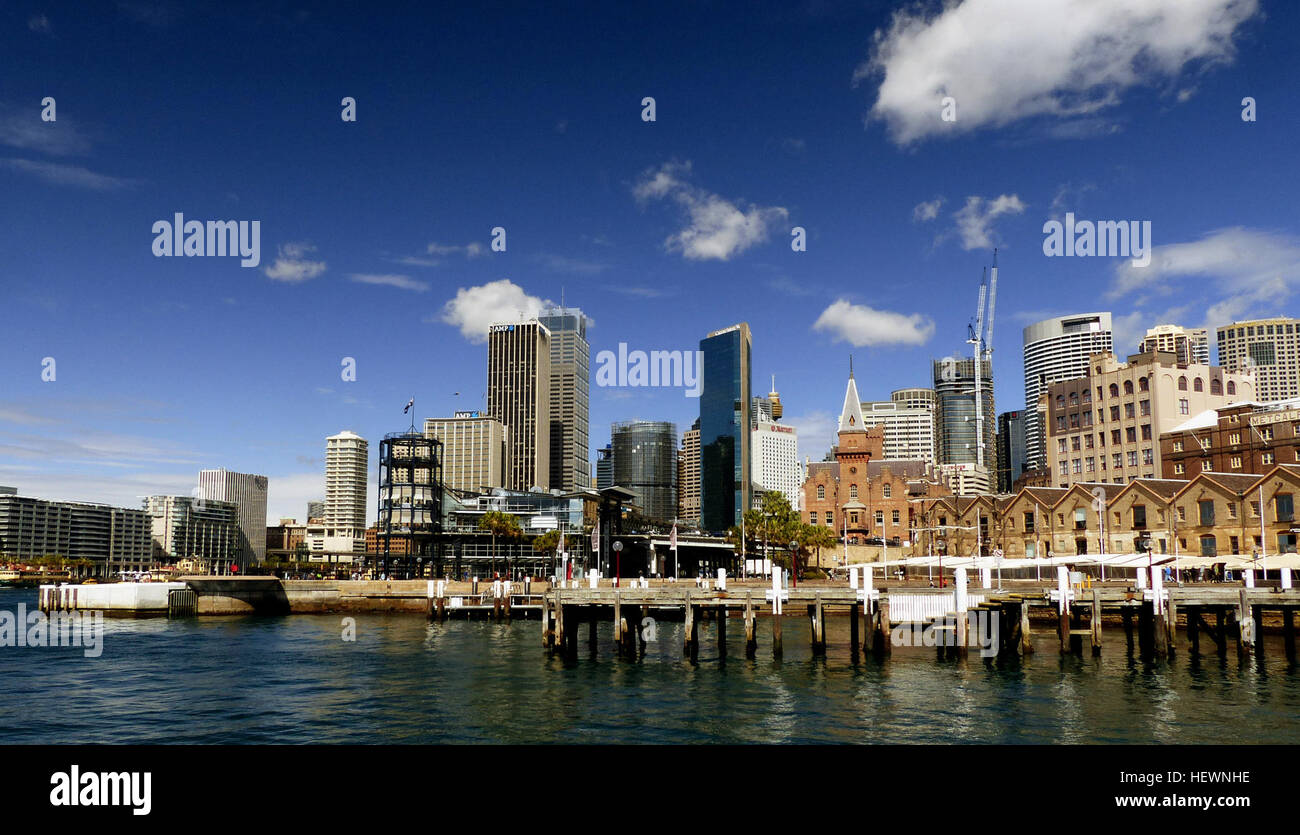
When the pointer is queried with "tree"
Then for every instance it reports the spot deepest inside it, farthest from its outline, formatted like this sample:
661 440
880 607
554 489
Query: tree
500 524
547 543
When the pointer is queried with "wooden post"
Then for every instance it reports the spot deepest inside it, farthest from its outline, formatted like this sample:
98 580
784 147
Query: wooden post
546 622
1194 630
818 626
1159 629
619 624
721 616
1146 630
1288 632
776 628
1126 612
1063 629
751 634
1026 633
592 622
559 622
1257 642
1221 628
882 636
1096 621
853 630
1171 623
1245 629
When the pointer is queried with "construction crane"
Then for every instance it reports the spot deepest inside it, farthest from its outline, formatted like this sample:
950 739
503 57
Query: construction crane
983 341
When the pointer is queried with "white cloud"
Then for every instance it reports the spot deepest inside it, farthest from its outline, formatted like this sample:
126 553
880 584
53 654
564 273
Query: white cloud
40 23
817 433
718 228
291 264
926 211
473 249
66 175
475 308
860 325
1241 272
975 219
403 282
1007 60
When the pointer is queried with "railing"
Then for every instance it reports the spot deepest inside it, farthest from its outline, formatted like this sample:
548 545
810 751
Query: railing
182 603
923 607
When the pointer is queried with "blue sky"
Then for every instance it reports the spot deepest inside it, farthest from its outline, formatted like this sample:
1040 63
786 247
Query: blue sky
375 234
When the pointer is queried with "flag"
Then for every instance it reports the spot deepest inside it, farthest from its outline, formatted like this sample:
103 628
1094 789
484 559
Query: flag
409 404
672 538
595 539
559 549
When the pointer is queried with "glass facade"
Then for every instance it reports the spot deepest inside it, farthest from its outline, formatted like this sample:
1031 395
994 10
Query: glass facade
725 428
645 462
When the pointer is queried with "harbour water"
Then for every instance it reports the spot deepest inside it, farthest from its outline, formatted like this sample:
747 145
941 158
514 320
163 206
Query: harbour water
404 680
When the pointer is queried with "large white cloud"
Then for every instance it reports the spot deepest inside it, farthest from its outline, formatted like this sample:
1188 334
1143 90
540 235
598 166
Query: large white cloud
475 308
860 325
1007 60
292 264
975 219
717 228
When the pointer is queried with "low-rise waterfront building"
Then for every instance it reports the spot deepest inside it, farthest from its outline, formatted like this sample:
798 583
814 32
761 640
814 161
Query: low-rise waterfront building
91 540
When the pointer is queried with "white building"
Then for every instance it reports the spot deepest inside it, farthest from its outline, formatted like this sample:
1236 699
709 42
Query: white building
1268 347
776 465
909 424
249 493
1055 350
1190 345
347 457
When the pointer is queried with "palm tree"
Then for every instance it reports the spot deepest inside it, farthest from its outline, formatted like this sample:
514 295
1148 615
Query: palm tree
547 543
502 524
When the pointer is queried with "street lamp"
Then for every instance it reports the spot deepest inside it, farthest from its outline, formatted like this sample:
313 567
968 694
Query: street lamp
618 561
794 561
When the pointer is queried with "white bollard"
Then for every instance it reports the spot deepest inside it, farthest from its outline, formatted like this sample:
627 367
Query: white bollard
440 589
776 592
1157 584
1141 579
1248 575
593 578
1063 588
722 579
432 589
986 578
1286 578
853 577
960 595
868 577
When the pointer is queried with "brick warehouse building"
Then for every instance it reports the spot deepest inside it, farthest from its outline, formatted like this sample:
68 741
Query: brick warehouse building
1242 438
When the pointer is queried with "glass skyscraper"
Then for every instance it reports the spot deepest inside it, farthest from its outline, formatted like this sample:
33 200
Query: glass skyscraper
725 427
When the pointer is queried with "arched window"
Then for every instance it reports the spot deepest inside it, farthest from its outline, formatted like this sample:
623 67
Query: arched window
1114 390
1143 384
1128 386
1198 385
821 491
1182 384
1232 388
1216 386
1060 401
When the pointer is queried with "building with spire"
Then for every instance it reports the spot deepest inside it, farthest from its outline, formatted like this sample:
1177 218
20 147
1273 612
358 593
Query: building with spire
775 447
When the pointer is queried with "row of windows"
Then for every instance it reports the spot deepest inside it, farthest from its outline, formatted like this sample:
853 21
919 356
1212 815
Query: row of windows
1118 460
886 490
895 517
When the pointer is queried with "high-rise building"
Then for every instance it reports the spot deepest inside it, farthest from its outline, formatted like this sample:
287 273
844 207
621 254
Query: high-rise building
248 492
688 476
188 528
908 421
767 408
776 461
570 398
315 510
1106 426
1190 345
725 483
1011 449
957 440
1057 349
112 539
605 467
1268 347
347 457
645 462
519 395
473 450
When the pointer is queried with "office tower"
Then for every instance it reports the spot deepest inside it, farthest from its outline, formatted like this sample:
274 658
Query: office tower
767 408
519 395
315 510
645 462
1270 348
188 528
111 539
570 467
1011 449
776 461
473 450
1106 426
908 422
725 485
688 476
248 492
605 467
1057 349
347 457
1190 345
957 441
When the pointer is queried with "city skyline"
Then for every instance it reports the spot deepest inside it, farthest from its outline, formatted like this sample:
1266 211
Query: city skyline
660 231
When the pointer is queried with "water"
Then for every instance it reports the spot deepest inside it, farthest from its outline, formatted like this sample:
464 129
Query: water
294 680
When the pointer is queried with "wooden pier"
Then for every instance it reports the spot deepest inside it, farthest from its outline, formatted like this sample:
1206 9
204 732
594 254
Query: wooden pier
1222 614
